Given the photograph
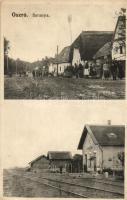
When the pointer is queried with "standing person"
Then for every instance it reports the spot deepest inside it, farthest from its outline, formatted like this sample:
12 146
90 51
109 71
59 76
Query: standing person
80 70
94 69
120 70
76 70
86 69
114 69
101 70
33 72
106 72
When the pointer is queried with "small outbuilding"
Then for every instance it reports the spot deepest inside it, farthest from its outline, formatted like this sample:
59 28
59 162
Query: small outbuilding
60 161
61 61
41 163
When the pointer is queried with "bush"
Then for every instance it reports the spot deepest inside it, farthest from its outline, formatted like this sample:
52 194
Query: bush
110 171
69 72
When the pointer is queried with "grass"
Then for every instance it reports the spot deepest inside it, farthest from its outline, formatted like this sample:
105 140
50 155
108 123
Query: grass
62 88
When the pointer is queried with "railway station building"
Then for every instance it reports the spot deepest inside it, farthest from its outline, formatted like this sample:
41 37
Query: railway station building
101 146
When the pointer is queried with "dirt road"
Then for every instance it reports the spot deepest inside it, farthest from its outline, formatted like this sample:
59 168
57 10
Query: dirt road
63 88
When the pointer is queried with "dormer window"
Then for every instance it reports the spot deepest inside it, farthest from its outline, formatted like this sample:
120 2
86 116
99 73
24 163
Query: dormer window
112 135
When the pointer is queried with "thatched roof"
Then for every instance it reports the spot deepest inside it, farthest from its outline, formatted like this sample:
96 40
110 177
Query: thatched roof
107 135
59 155
63 56
89 42
103 51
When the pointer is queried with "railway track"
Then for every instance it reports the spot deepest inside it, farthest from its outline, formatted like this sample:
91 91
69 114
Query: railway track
86 186
59 188
73 189
98 180
109 182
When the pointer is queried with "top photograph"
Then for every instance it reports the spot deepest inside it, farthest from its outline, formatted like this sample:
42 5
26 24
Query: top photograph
64 51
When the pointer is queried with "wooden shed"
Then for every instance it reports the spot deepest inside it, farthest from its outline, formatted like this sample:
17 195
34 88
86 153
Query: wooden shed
60 161
41 163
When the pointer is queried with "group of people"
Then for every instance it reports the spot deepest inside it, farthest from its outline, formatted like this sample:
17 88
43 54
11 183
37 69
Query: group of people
90 69
39 72
113 69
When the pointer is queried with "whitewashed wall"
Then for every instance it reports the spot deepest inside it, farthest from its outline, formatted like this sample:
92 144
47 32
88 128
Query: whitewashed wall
116 52
116 44
76 56
110 155
61 68
90 148
106 157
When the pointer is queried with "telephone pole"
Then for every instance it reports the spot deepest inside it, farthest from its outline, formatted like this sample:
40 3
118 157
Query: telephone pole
57 59
69 22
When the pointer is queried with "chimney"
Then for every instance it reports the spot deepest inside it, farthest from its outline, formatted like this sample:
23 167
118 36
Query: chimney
109 122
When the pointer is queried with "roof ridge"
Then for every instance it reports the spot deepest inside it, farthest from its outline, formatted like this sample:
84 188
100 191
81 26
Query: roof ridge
104 125
93 31
60 151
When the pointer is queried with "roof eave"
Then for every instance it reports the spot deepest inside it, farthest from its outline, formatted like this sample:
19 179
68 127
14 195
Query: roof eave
82 139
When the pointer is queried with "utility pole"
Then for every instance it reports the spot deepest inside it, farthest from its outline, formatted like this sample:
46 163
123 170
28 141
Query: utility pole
7 64
16 67
69 22
57 59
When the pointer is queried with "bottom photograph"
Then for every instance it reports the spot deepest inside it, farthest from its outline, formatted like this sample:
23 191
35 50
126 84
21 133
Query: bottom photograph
60 159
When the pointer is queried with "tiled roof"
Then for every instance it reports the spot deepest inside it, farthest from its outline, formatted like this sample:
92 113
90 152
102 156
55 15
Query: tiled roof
107 135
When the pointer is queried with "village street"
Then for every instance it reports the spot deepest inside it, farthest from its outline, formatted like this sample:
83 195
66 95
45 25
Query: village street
19 182
63 88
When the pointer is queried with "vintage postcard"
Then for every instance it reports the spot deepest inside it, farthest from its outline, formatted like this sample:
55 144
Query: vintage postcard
54 56
64 50
63 151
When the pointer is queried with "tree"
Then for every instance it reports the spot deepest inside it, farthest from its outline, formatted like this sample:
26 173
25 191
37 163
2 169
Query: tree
6 46
6 50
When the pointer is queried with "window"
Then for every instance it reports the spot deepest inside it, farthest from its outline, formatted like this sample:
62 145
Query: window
121 49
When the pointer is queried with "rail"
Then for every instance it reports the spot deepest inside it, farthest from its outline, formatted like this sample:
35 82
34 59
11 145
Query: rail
89 187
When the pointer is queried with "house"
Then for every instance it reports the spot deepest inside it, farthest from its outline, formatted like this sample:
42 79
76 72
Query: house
61 61
60 161
41 163
119 41
87 44
100 145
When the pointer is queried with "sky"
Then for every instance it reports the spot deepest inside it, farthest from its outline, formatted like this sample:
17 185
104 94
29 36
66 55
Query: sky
32 128
33 38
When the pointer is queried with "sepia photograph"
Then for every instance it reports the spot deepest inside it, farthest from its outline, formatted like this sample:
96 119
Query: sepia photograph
68 151
64 50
